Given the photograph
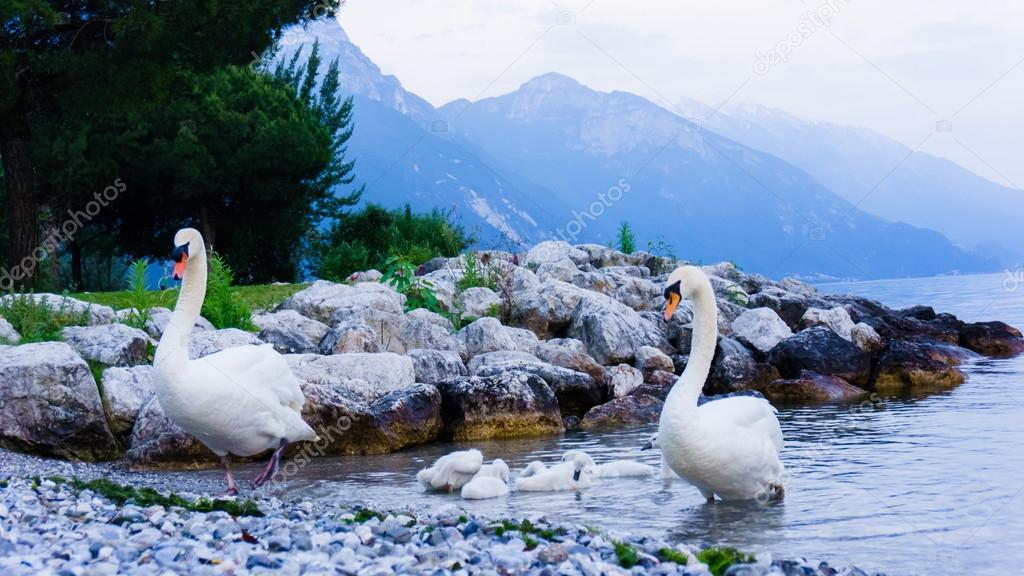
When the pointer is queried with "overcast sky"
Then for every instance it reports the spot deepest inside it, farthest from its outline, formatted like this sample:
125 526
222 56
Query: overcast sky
895 66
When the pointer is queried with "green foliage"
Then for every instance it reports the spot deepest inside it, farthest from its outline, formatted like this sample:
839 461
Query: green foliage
401 275
221 307
530 542
39 320
140 310
144 497
257 297
364 514
675 556
626 241
97 369
626 554
720 559
368 238
477 272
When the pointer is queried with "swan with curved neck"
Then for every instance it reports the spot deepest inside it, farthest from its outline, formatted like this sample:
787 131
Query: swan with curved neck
728 448
243 400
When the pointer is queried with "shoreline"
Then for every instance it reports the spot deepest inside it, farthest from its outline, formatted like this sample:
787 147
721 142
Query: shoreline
96 535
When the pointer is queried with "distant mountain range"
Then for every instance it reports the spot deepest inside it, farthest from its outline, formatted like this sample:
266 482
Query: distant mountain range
555 159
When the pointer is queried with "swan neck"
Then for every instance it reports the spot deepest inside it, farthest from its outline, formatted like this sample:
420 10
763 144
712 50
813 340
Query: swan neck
174 342
687 389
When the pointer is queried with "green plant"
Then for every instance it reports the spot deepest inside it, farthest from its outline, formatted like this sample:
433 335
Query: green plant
221 307
720 559
419 293
144 497
675 556
626 239
477 272
140 310
37 320
530 542
626 554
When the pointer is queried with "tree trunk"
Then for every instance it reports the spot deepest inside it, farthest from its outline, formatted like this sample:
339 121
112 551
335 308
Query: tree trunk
22 208
209 228
76 265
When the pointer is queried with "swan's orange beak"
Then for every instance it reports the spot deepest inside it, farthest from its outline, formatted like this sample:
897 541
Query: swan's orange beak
179 268
670 306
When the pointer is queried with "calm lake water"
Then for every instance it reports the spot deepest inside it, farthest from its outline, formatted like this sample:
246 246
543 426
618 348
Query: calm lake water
931 484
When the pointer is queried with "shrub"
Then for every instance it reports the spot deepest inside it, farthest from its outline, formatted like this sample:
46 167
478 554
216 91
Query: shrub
368 238
221 307
720 559
477 272
38 320
626 239
138 298
401 275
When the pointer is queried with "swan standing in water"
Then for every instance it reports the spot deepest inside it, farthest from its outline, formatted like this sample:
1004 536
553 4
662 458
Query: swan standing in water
243 400
730 447
490 482
615 468
452 471
575 474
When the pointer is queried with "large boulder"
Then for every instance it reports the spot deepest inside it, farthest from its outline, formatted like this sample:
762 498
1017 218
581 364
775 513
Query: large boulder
577 392
50 403
86 313
553 251
546 308
811 388
110 344
866 338
158 443
637 293
612 332
525 340
212 341
649 359
290 332
632 410
991 338
499 358
504 405
487 335
433 366
915 367
823 351
761 328
352 335
401 332
478 302
734 368
322 300
570 353
790 307
837 318
363 377
125 391
622 379
8 335
395 420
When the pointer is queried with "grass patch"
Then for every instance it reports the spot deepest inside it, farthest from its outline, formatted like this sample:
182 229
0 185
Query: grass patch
720 559
97 368
4 483
671 555
626 554
530 542
463 519
365 514
259 298
40 320
143 497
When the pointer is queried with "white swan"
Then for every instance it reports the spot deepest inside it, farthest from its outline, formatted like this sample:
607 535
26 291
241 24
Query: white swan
574 474
615 468
532 469
490 482
666 471
452 471
240 401
729 447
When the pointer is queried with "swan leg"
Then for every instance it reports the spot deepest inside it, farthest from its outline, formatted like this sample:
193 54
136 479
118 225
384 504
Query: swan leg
232 489
271 467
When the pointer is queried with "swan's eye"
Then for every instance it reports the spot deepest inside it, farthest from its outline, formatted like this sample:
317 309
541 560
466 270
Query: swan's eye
180 253
673 289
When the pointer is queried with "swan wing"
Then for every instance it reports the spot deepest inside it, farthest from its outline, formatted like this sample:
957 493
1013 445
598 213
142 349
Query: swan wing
456 468
258 370
750 412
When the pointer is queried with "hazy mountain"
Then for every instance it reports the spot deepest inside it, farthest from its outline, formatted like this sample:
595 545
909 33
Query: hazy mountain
710 197
404 155
883 175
